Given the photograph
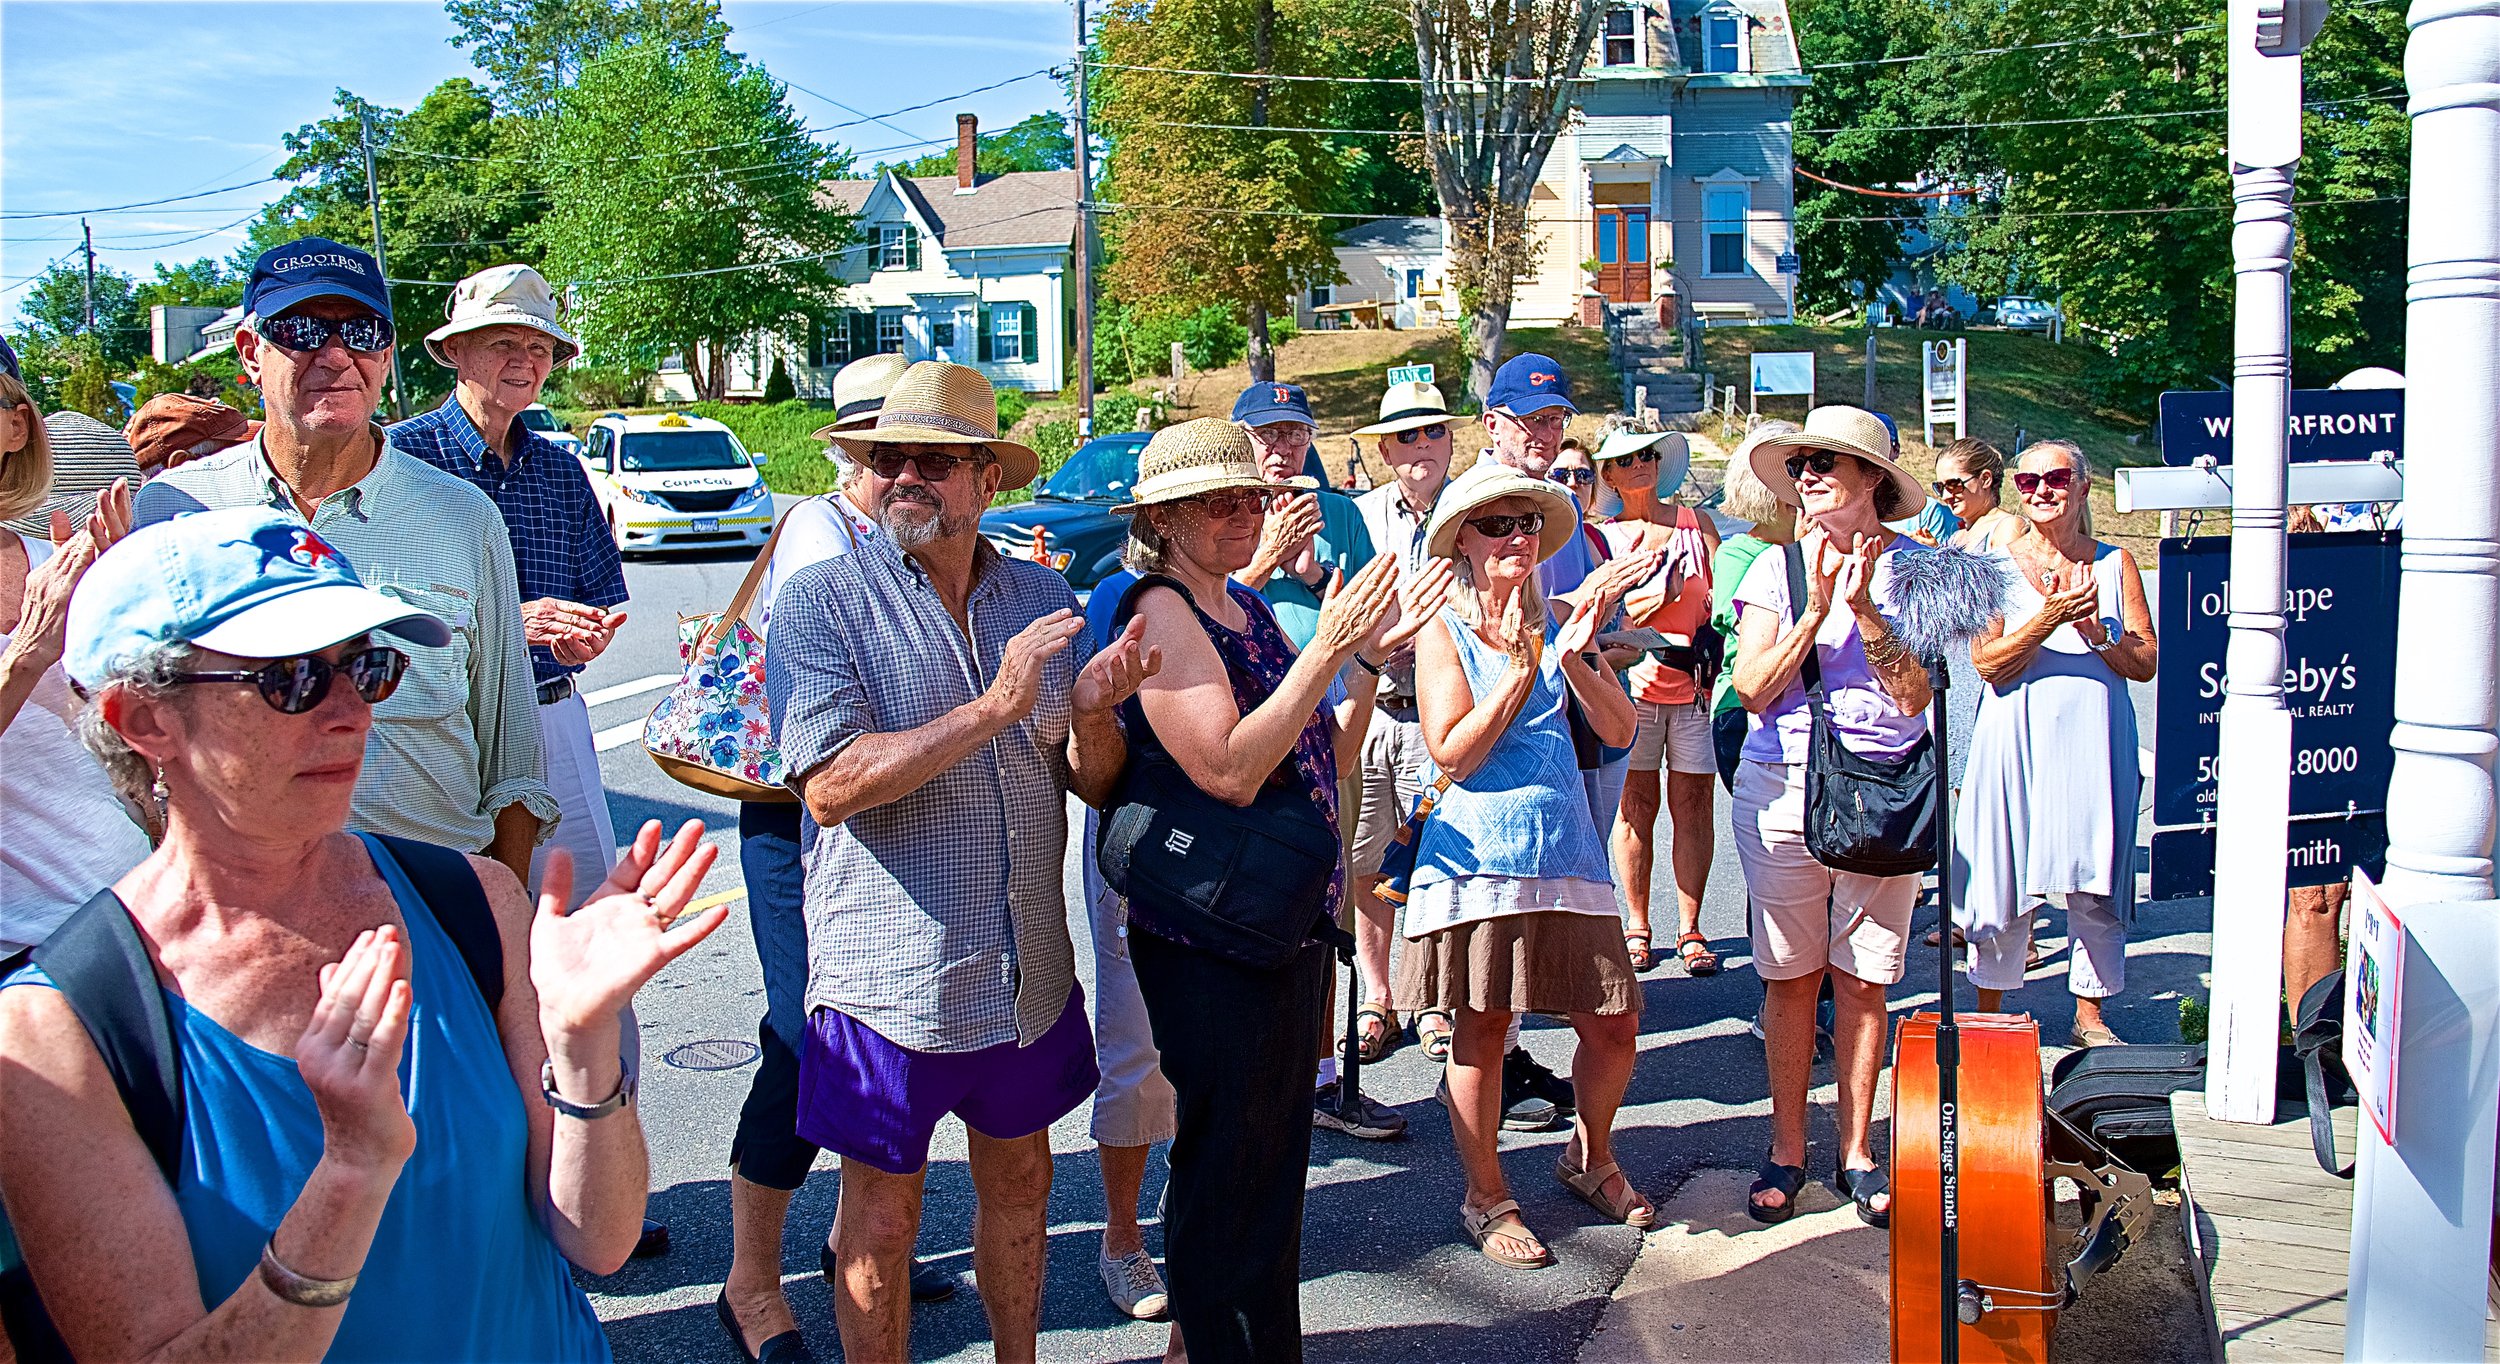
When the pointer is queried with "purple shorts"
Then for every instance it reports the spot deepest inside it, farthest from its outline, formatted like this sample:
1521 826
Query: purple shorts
866 1099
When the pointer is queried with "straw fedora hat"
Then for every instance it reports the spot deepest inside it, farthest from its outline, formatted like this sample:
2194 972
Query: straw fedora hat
1407 406
936 403
1206 455
1675 454
502 296
859 390
1487 482
1842 430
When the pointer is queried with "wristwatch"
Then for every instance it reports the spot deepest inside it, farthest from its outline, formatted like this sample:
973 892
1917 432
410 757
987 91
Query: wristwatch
2109 638
623 1097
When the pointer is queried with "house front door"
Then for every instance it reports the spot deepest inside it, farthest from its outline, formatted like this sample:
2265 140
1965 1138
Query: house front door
1623 253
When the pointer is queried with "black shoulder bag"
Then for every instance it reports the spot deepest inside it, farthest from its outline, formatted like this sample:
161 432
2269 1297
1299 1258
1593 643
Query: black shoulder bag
1247 883
102 968
1872 816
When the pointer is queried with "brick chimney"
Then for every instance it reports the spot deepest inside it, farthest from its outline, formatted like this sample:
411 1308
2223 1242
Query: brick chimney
967 142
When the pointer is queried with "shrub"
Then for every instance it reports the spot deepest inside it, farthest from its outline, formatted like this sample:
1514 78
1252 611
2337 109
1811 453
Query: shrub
1013 403
778 388
795 461
598 388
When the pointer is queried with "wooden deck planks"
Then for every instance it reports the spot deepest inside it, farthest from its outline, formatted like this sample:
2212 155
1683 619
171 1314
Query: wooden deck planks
2272 1233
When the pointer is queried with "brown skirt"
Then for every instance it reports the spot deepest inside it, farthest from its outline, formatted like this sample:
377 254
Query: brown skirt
1549 962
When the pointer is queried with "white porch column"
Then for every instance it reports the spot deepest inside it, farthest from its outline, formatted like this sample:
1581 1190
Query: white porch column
2440 810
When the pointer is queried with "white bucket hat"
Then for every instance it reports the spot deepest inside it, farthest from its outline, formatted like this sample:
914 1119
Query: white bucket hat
1675 454
1487 482
502 296
1407 406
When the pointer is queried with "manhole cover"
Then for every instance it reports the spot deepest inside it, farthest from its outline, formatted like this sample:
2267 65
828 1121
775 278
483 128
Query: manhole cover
716 1054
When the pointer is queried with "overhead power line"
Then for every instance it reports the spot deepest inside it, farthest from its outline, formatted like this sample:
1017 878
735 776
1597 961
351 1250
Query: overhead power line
144 203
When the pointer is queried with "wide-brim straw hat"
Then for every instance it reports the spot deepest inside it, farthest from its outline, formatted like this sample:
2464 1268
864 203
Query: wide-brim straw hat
1842 430
502 296
936 403
859 392
1207 455
1487 482
1675 454
1407 406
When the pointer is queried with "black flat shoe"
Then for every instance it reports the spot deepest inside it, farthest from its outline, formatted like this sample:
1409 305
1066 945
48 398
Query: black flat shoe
928 1282
653 1242
787 1348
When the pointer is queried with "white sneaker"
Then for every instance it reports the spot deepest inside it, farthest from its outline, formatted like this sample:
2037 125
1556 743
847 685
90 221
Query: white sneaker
1135 1285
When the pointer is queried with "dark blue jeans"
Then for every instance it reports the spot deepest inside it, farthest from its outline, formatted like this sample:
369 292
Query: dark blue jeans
768 1149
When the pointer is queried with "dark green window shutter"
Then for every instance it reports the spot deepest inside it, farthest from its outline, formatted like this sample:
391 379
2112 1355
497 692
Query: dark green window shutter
863 327
911 248
988 342
1026 321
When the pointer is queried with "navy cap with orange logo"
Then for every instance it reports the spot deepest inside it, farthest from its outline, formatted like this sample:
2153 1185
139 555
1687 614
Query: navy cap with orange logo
1267 404
1530 383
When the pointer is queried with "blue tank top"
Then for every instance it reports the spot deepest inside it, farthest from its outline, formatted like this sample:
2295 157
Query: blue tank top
1522 812
461 1267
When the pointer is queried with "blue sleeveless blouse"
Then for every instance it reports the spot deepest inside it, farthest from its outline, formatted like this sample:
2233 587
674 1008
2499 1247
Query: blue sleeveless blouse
1522 812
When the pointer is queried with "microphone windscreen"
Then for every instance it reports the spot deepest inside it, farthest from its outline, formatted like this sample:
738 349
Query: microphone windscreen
1941 597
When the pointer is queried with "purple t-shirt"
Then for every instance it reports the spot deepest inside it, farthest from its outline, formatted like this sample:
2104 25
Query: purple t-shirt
1861 711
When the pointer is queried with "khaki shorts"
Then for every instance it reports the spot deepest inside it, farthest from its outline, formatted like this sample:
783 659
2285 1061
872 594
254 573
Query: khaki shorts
1386 784
1673 737
1805 915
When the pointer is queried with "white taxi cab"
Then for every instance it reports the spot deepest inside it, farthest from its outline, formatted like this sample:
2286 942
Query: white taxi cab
671 481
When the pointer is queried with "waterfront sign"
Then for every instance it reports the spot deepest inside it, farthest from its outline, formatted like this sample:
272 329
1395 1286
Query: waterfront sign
2325 424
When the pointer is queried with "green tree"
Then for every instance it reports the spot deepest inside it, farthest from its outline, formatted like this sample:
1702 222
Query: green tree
203 283
1215 183
682 207
534 49
56 306
1039 142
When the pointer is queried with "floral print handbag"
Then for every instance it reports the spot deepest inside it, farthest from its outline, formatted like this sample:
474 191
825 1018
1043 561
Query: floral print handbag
713 731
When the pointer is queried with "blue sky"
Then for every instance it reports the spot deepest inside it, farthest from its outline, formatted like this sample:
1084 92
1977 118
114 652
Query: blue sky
107 104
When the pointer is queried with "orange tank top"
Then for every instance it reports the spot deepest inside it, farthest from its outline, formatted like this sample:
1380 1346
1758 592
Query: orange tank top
1683 614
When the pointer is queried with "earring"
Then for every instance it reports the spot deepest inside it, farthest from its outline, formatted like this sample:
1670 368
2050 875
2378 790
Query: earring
160 793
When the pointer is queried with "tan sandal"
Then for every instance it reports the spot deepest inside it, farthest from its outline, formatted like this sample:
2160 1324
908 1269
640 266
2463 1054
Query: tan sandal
1631 1209
1502 1219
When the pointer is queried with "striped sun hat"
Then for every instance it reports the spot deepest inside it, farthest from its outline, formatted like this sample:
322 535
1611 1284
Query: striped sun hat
87 456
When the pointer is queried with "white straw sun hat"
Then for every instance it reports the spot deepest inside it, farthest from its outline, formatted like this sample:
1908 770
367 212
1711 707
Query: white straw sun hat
1488 482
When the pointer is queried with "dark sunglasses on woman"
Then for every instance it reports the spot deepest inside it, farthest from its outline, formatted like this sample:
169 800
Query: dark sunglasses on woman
2058 480
292 686
1504 527
1650 456
1822 462
300 333
1573 476
1226 506
1413 434
1950 487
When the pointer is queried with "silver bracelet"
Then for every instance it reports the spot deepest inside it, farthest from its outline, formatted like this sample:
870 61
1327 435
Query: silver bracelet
299 1289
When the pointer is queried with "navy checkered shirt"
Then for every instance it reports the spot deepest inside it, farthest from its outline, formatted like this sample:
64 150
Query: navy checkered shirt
560 542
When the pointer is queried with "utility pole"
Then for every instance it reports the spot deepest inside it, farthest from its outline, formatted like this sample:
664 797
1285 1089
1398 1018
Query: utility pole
373 200
2253 790
1084 248
88 233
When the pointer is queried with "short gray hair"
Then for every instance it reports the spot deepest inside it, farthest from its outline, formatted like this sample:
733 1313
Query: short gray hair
151 674
1743 495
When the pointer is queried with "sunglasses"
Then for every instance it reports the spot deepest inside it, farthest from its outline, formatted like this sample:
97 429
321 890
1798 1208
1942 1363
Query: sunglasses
304 334
1504 527
1643 457
1822 462
934 468
1226 506
1436 431
1950 487
1572 475
292 686
2057 480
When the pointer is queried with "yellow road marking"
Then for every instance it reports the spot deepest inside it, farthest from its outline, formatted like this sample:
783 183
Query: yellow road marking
726 897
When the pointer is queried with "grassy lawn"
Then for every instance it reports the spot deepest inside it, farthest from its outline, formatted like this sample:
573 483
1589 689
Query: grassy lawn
2017 383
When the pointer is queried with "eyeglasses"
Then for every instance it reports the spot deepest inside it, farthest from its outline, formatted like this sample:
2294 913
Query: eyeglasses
1950 487
934 468
1291 435
1226 506
301 333
1822 462
2057 480
1572 475
1436 431
292 686
1504 527
1543 419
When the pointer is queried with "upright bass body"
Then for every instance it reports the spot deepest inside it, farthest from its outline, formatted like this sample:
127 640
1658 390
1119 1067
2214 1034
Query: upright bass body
2008 1244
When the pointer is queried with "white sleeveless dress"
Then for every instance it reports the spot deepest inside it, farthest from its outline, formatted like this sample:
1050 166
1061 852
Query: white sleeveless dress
2048 801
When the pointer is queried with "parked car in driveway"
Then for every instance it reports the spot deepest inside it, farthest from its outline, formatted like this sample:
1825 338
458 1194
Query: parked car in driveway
2023 313
1072 509
537 418
675 482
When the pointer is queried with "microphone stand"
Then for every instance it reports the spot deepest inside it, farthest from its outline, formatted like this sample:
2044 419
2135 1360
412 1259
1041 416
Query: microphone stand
1948 1035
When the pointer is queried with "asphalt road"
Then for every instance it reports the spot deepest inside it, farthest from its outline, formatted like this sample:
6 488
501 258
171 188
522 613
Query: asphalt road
1387 1274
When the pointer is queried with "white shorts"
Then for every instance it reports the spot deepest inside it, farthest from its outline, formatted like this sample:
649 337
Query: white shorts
1805 915
573 779
1673 737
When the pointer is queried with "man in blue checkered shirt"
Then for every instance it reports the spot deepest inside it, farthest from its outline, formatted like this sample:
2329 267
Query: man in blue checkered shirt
504 339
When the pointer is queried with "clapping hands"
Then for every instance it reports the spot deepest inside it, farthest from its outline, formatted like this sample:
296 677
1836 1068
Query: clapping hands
588 962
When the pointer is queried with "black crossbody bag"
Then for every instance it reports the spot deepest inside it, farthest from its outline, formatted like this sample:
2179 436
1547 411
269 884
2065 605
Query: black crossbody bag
1872 816
1247 883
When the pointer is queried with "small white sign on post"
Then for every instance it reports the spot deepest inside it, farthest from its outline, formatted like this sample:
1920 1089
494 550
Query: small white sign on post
1945 369
1783 374
2373 987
